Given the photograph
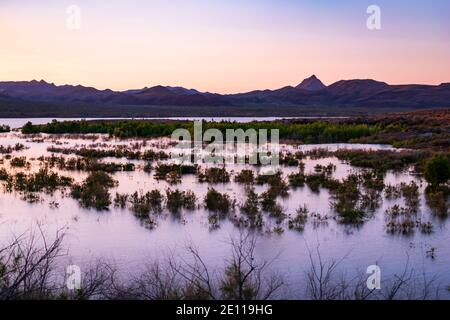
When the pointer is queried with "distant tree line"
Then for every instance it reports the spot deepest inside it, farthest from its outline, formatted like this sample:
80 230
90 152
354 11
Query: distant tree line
313 132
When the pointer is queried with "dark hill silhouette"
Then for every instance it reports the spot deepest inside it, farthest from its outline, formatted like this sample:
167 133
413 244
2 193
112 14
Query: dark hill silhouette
311 84
311 92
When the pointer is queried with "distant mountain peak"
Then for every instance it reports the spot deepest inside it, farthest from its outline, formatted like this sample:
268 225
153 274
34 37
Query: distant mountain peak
311 92
311 84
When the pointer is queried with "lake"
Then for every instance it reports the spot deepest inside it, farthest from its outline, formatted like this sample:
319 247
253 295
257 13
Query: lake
118 236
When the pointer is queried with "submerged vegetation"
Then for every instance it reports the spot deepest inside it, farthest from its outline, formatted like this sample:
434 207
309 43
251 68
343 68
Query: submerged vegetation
406 192
94 191
11 149
4 128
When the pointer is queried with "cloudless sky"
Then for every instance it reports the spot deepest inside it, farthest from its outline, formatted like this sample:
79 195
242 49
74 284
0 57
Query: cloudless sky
223 46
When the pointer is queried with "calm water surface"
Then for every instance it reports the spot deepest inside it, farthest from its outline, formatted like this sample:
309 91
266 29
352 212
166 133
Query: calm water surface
117 236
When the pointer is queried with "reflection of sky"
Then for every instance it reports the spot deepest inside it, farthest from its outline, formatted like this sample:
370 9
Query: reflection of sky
223 47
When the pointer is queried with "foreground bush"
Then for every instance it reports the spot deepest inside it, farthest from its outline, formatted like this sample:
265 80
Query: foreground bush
437 170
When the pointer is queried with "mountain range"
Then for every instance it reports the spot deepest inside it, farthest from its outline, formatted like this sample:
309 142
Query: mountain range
310 92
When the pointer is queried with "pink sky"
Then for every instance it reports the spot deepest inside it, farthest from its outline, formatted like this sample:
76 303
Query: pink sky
226 48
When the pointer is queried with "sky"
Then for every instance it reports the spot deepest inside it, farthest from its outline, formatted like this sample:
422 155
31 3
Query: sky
223 46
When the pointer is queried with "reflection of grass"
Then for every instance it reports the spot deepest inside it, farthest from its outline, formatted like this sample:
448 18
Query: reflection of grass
43 180
404 221
438 200
11 149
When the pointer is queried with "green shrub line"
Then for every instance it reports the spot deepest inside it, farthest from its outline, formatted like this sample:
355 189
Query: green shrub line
314 132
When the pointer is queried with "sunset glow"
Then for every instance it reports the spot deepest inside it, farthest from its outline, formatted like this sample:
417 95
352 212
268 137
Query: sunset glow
234 46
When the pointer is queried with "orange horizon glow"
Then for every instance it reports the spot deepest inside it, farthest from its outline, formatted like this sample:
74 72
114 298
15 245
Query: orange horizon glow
223 48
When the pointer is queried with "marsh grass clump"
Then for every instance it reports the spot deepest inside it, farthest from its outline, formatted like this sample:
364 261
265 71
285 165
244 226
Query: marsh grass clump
11 149
94 191
173 177
381 160
438 201
318 220
298 221
297 180
371 200
214 176
120 200
148 167
327 170
43 180
250 208
411 194
424 227
3 174
190 200
317 180
31 197
372 179
277 185
404 221
404 226
269 204
46 180
155 199
152 155
392 192
245 177
143 204
289 159
116 152
218 202
19 162
177 200
346 201
92 164
437 170
163 170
